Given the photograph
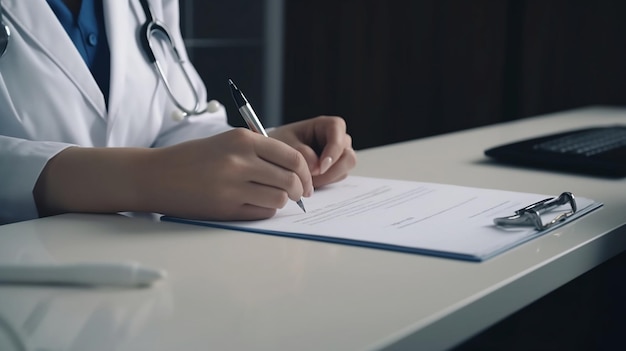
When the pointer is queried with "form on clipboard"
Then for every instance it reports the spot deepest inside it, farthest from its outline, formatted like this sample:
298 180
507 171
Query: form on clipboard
416 217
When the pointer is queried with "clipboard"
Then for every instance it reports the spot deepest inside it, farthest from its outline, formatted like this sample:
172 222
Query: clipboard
450 221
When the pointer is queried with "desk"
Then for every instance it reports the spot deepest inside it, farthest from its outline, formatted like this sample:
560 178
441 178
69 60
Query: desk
230 290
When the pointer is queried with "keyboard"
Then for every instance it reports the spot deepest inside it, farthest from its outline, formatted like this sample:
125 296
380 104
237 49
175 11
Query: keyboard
598 150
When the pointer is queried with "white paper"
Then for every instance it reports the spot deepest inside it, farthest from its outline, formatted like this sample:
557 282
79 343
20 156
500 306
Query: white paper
438 219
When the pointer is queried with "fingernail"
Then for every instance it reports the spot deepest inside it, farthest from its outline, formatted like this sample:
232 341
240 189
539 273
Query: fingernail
325 165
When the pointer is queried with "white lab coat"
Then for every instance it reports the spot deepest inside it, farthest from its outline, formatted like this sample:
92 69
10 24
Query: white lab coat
49 100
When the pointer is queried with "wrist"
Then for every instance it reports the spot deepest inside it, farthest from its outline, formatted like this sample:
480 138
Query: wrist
97 180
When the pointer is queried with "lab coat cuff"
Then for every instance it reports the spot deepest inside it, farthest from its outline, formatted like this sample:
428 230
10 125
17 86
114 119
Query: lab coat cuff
24 160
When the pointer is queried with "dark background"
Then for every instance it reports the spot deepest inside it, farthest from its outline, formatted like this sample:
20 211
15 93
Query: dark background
404 69
400 70
224 39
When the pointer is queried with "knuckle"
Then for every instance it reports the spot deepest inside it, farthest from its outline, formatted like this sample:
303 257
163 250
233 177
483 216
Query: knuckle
280 199
336 120
348 140
352 158
241 136
234 164
341 122
292 181
295 159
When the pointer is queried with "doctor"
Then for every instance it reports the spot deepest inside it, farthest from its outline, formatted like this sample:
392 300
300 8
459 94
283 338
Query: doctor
87 123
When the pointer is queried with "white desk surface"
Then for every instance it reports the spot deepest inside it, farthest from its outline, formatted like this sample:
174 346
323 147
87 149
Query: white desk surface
230 290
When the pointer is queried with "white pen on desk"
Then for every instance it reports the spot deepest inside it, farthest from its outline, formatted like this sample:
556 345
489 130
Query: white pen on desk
250 117
88 274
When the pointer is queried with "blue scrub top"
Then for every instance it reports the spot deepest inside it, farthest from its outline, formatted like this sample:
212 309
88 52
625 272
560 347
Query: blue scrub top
89 36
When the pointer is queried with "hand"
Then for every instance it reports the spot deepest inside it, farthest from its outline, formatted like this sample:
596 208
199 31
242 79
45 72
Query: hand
325 145
231 176
237 175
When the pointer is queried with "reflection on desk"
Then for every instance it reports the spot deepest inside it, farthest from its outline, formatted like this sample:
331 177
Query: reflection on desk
66 317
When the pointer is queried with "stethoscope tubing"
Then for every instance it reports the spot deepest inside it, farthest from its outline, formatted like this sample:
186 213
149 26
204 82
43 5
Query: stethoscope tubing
147 31
5 33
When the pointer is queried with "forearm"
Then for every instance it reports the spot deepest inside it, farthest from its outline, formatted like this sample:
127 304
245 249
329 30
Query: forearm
237 175
99 180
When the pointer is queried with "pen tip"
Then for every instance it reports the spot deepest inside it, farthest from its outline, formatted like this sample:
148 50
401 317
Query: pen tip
299 202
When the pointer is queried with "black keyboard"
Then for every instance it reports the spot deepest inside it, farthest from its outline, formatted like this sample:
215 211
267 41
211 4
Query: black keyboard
600 151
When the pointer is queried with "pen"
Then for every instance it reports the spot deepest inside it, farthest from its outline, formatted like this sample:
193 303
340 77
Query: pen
250 117
89 274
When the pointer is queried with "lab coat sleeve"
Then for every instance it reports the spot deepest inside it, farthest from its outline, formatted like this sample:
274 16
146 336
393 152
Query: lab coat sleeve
21 162
194 127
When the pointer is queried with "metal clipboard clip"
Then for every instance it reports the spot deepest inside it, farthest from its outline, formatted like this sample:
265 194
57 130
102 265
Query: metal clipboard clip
531 215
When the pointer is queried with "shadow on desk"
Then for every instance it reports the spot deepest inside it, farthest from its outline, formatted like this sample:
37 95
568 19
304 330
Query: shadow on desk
589 313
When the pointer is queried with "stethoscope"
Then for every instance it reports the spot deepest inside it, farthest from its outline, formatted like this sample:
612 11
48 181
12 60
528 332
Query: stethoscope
149 29
5 34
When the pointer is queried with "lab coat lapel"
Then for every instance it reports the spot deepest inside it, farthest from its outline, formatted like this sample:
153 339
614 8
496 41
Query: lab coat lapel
119 33
133 80
37 21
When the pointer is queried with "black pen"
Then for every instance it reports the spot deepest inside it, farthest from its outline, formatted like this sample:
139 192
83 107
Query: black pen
250 117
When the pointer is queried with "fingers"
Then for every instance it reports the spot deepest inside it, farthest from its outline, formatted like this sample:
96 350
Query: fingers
251 212
241 175
285 168
254 195
310 156
258 201
244 200
324 144
339 169
331 134
236 175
